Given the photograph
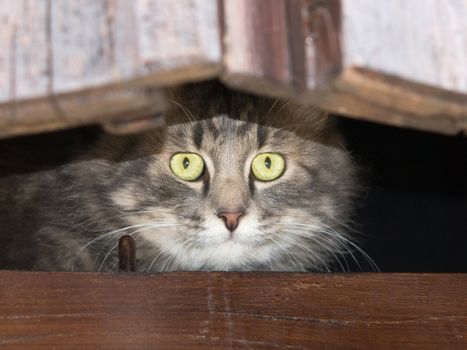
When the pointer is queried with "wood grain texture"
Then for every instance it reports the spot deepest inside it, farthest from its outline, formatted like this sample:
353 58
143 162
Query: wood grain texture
424 41
398 62
257 46
83 44
104 106
55 51
232 310
31 64
179 37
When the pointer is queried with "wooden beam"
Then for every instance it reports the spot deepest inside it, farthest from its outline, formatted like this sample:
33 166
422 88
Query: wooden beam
60 58
264 46
389 62
401 63
232 310
383 61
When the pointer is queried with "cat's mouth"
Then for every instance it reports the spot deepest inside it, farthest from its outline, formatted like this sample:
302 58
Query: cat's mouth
231 238
242 240
226 239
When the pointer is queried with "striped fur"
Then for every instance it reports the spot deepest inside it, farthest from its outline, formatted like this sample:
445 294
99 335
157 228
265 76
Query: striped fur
71 217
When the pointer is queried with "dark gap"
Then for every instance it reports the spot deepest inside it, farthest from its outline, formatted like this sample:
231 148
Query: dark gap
413 215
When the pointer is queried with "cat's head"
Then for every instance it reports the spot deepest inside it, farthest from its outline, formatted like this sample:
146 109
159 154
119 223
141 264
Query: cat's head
237 182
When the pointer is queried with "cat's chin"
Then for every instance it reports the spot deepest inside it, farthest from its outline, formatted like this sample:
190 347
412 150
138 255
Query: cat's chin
231 254
235 239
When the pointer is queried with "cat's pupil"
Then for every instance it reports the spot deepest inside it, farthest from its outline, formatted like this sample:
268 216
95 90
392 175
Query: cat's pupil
186 162
267 162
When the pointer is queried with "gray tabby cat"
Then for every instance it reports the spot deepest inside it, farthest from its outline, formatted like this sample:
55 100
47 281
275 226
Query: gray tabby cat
233 182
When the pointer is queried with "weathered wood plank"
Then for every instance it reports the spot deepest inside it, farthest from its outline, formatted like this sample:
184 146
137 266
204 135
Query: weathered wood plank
425 41
264 46
159 41
83 44
256 45
402 63
114 108
60 57
7 37
31 56
178 40
23 64
232 310
389 61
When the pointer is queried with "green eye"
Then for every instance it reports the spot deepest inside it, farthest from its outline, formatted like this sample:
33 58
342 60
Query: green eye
187 166
268 166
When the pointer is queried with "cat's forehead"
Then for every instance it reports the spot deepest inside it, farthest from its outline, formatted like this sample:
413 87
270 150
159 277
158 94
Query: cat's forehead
220 134
222 131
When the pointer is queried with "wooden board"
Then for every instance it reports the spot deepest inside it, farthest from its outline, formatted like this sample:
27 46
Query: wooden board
385 61
397 62
402 62
59 57
232 310
257 45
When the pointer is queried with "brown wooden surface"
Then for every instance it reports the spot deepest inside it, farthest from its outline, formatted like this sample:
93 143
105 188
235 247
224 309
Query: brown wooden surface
256 40
232 310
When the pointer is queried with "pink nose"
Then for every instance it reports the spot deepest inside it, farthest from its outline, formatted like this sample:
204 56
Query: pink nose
231 219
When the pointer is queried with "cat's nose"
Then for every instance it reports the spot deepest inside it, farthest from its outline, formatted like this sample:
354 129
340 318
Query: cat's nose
231 219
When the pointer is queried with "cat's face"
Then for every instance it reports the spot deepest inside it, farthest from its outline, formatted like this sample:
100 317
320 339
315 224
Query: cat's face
230 192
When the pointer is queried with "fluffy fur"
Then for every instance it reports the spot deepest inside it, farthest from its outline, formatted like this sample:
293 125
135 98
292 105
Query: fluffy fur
71 217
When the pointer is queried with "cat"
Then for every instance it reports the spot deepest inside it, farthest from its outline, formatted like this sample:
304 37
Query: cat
233 182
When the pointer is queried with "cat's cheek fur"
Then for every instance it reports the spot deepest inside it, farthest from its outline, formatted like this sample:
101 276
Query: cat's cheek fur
125 199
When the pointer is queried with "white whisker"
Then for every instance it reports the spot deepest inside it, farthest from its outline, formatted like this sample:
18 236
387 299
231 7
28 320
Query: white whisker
116 245
117 234
292 260
163 250
112 233
300 245
338 242
337 239
185 110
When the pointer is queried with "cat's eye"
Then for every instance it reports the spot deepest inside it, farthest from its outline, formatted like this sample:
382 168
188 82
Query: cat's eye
187 166
268 166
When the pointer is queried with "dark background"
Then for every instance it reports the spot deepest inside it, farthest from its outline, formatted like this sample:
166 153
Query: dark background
413 216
